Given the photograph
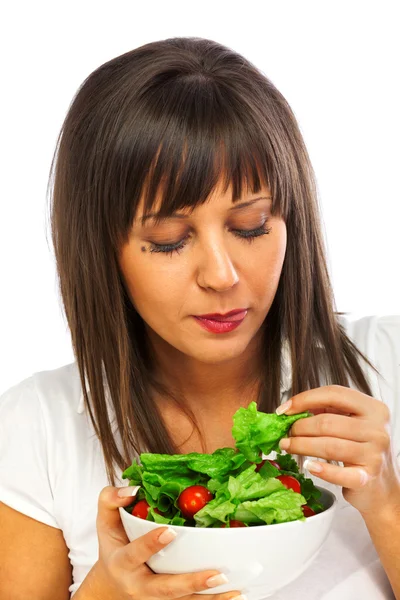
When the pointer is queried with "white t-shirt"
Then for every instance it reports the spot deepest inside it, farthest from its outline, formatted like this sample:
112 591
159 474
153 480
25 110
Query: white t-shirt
52 469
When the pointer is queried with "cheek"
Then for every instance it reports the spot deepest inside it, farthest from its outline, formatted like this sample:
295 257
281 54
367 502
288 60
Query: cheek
144 282
278 250
277 260
269 262
264 273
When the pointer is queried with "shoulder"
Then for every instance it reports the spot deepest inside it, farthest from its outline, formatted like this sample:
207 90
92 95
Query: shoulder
378 337
55 390
39 434
365 330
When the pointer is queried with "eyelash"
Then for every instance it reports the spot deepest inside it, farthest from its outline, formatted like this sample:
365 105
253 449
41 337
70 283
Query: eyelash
246 235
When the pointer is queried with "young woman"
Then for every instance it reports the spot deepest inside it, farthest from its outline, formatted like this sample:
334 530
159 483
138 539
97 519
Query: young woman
181 187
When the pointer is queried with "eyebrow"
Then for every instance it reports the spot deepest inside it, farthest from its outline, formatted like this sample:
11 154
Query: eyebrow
178 216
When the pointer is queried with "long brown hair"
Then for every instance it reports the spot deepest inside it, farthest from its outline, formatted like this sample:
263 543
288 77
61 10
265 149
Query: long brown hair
178 115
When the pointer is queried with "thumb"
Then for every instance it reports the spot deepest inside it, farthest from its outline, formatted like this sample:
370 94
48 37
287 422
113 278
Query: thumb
110 530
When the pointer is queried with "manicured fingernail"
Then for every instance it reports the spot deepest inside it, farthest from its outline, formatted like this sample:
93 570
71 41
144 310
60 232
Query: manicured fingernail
167 536
283 407
312 466
217 580
284 443
364 476
129 490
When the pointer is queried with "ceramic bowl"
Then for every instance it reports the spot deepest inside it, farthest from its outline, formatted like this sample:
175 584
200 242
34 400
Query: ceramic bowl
258 560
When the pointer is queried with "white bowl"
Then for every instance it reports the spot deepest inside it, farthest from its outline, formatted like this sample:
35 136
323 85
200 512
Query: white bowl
258 560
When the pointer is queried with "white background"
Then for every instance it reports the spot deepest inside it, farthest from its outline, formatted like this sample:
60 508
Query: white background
337 64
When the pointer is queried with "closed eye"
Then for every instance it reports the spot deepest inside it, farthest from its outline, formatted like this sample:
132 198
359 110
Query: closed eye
243 234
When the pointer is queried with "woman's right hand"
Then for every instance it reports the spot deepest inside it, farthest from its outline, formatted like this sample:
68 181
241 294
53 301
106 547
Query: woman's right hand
123 563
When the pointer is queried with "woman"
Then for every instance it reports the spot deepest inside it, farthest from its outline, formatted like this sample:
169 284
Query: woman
182 187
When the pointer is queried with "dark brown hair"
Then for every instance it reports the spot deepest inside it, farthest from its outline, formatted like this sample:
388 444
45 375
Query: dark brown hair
178 115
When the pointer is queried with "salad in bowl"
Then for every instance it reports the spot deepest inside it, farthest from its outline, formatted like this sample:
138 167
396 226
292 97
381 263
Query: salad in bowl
280 517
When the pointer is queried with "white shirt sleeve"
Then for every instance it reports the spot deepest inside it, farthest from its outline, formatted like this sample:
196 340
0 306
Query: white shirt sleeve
387 361
24 480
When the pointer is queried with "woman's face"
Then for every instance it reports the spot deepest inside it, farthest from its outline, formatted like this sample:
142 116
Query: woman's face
215 272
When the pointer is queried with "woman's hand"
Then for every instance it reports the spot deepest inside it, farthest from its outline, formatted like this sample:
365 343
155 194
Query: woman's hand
121 570
351 427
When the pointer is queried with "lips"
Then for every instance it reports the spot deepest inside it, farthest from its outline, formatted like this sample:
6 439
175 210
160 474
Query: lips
231 317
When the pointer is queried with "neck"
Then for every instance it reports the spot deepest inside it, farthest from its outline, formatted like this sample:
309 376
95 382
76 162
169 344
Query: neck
210 388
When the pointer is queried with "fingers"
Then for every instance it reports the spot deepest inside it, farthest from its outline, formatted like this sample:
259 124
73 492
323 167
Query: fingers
329 448
148 584
183 586
338 398
350 477
107 508
139 551
126 561
110 531
333 425
318 411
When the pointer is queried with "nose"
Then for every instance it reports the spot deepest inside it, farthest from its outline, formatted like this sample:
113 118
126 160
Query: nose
217 270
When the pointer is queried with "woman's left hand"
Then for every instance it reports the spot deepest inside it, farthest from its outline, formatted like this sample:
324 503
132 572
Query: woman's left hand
351 427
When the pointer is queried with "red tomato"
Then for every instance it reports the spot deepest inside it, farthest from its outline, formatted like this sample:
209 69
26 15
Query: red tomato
141 509
235 523
290 482
192 499
273 462
307 510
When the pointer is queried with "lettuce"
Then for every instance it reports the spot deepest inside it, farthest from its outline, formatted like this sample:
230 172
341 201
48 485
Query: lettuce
255 431
255 498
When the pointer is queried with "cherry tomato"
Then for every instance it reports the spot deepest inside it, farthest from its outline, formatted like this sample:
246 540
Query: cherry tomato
273 462
192 499
290 482
141 509
307 510
235 523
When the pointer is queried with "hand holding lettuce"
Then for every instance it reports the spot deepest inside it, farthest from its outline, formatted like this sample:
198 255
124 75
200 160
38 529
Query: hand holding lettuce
230 487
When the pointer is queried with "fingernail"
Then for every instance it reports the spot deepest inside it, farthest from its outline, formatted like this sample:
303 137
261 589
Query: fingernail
283 407
129 490
167 536
217 580
284 443
364 476
312 466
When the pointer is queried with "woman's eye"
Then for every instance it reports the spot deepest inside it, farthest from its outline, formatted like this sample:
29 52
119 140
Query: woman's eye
244 234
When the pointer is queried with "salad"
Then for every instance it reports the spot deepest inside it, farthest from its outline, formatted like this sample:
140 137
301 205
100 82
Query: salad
232 487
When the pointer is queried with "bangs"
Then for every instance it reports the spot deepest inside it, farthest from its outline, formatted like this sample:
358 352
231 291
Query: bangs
185 139
180 178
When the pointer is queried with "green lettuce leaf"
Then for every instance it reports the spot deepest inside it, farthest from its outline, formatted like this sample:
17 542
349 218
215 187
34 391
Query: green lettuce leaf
257 432
310 492
255 498
287 463
281 506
